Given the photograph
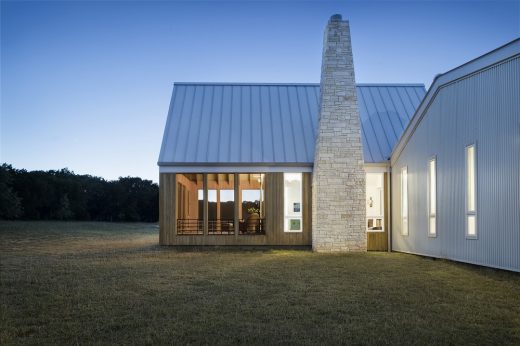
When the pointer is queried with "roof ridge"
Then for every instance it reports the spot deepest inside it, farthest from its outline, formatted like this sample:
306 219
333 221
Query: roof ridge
298 84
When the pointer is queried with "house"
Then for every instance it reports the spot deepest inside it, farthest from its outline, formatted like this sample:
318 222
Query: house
456 168
341 166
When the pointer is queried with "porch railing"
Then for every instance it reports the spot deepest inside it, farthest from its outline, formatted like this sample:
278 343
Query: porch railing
190 226
223 227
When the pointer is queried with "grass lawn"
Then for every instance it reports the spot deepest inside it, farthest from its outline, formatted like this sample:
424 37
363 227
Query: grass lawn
102 283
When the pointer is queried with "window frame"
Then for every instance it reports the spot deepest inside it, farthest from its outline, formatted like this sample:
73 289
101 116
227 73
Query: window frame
429 196
301 204
403 218
470 213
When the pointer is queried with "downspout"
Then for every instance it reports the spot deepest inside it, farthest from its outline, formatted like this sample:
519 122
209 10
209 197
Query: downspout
389 200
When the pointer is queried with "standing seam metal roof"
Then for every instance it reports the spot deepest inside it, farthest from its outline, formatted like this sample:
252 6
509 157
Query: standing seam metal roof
238 123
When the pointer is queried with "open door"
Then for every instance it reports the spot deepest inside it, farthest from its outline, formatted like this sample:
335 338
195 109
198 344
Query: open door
377 211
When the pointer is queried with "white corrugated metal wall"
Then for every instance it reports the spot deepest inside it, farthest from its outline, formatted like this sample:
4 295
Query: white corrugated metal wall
482 108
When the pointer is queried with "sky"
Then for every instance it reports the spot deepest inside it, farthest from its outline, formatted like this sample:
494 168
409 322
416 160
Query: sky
87 85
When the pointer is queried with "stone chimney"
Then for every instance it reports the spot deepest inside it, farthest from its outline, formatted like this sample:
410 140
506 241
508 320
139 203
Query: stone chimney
338 193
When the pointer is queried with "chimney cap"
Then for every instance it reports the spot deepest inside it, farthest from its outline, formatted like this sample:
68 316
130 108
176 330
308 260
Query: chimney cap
335 18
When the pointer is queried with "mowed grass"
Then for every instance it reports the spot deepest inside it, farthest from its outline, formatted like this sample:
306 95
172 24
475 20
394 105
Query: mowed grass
102 283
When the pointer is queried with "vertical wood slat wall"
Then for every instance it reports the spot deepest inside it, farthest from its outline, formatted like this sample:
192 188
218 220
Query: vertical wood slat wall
167 209
274 213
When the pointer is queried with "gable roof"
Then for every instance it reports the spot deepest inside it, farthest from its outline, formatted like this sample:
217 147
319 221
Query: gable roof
494 57
244 124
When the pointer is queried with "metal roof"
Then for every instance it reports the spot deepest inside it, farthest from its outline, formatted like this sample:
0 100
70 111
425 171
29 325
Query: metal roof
482 62
272 124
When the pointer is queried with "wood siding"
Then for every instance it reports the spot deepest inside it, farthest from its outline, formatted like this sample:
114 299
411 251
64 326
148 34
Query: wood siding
274 214
167 209
378 241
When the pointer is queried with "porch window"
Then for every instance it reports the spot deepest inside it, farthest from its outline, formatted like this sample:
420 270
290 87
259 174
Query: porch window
252 203
190 202
221 203
292 202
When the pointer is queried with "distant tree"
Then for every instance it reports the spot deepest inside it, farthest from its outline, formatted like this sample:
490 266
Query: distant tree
64 212
62 194
10 202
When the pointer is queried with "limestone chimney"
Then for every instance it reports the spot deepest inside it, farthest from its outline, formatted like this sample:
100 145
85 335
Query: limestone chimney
338 193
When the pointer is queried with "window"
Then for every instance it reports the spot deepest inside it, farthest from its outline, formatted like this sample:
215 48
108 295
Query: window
190 202
404 201
251 213
221 203
471 191
432 197
292 183
375 202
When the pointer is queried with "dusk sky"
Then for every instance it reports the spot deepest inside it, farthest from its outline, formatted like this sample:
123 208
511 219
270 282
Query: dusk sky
87 85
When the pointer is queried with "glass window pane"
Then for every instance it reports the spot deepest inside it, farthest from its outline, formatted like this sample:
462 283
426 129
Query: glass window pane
433 188
212 204
221 203
293 202
472 226
190 199
470 177
432 230
252 204
404 201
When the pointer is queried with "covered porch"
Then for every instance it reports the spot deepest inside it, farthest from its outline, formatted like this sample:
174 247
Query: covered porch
213 208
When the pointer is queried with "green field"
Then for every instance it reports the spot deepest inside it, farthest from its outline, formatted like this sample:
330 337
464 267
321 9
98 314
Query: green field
102 283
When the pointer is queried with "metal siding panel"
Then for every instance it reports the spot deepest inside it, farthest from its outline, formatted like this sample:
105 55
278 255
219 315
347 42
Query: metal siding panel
378 141
206 115
277 125
192 134
305 123
183 123
296 117
407 103
287 130
404 116
483 108
235 126
266 126
170 135
383 112
224 141
392 112
215 126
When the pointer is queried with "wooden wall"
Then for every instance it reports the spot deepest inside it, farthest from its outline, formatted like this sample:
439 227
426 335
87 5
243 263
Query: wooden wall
167 209
274 214
378 241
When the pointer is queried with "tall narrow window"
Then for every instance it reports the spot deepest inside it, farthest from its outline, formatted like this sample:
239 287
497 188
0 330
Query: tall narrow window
251 210
471 192
404 201
292 183
221 203
432 197
190 203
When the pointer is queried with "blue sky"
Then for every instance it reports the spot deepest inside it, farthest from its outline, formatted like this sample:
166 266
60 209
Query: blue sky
86 85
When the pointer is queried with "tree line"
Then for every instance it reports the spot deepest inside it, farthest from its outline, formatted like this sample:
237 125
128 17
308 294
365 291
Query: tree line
64 195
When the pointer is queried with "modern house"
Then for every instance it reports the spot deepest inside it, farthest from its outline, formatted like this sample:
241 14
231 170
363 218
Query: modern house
341 166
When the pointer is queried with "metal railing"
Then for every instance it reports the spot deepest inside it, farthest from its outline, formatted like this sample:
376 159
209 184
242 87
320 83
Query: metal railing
251 227
221 227
190 226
